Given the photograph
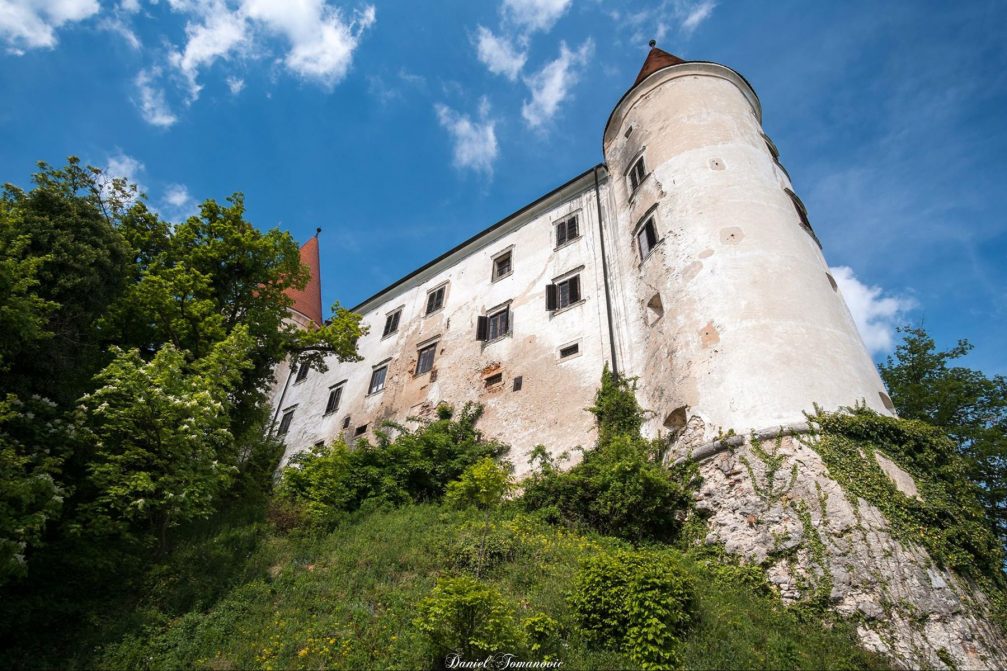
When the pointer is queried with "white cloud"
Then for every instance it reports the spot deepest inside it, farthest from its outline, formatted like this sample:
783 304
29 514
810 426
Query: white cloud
692 14
551 85
499 55
475 142
153 106
532 15
178 203
219 33
877 315
119 27
235 85
32 24
125 166
130 6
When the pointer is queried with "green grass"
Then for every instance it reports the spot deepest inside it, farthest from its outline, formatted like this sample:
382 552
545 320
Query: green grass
250 597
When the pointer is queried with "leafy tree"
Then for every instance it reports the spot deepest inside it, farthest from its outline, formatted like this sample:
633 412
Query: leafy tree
970 406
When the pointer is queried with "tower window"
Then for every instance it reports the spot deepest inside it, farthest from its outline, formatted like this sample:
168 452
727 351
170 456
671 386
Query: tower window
802 213
567 230
502 266
562 294
569 351
646 238
377 380
285 421
637 174
302 372
335 394
435 299
392 323
655 309
425 360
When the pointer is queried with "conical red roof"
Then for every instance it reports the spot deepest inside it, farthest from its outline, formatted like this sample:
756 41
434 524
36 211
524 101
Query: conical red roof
656 59
308 301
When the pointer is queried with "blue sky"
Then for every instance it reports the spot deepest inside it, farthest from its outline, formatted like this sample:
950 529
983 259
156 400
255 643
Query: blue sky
403 128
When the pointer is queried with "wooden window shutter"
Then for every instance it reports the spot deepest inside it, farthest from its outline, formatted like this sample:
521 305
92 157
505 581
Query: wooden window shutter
550 297
482 327
561 233
575 289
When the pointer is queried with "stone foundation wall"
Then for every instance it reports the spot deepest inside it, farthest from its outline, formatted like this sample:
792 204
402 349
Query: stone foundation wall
779 507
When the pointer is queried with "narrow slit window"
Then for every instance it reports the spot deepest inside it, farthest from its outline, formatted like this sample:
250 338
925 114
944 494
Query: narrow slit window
567 230
502 266
569 351
637 174
518 383
425 359
285 421
302 372
377 380
562 294
392 323
435 300
335 394
646 238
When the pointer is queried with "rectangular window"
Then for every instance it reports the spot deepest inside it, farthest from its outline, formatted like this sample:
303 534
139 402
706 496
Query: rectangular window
567 230
392 323
425 361
346 422
377 380
302 372
493 326
518 382
637 174
569 351
646 238
562 294
288 417
502 266
360 430
335 394
493 379
435 300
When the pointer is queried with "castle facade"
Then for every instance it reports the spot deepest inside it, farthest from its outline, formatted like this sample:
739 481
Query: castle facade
686 260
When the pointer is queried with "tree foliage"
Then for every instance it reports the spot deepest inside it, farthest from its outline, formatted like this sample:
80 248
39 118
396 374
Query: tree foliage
968 405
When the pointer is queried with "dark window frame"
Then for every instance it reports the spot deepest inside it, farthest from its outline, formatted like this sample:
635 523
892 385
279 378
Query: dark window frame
432 349
563 294
302 373
335 398
435 300
506 256
392 323
646 236
285 420
377 386
637 174
567 230
568 351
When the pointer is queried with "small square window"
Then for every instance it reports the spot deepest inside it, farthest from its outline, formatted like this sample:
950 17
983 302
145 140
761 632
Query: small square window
392 323
435 300
288 417
332 404
567 230
569 351
646 238
360 430
377 380
637 174
562 294
302 372
502 266
425 360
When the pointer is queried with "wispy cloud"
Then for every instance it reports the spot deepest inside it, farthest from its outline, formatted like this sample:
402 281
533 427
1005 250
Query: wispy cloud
32 24
691 14
152 101
535 15
876 313
177 203
235 85
499 55
474 141
551 85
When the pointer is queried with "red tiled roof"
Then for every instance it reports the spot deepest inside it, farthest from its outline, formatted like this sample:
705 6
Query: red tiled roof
656 59
308 301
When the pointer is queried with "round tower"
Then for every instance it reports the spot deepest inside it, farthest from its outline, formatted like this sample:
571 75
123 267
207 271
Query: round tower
726 310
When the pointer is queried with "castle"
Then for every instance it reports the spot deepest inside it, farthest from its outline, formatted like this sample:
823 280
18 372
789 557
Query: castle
685 260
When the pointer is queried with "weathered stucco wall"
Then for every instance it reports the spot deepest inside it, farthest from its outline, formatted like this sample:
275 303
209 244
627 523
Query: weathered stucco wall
753 331
549 407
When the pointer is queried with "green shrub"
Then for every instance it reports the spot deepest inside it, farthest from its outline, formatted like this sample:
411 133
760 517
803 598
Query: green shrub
544 636
475 546
482 485
414 466
467 617
640 602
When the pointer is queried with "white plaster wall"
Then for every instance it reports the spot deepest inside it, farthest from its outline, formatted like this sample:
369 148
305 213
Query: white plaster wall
753 333
550 407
